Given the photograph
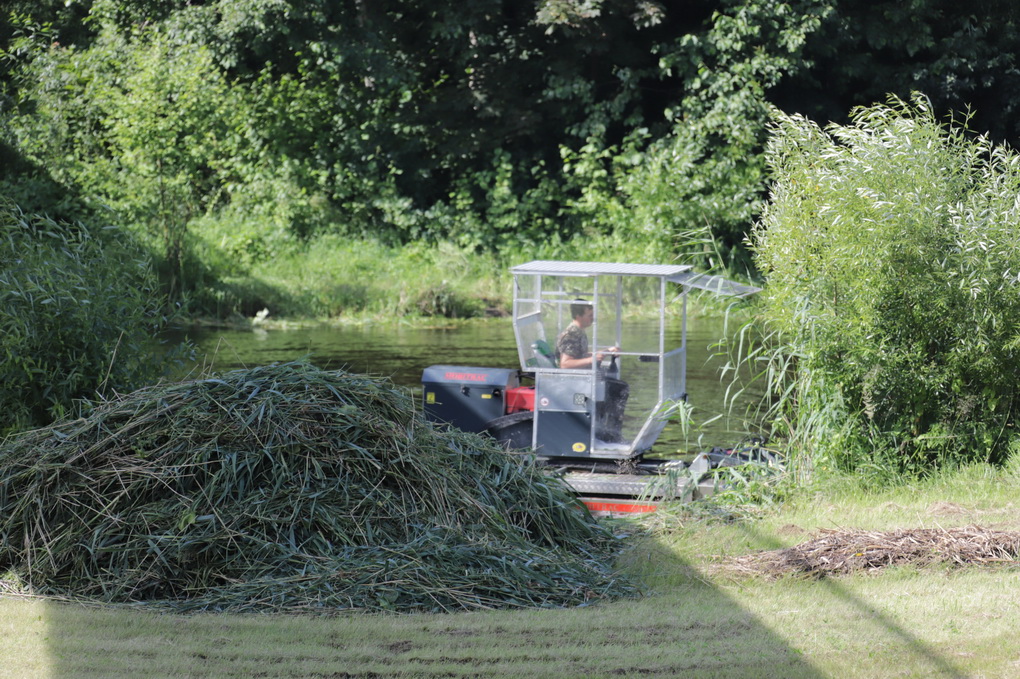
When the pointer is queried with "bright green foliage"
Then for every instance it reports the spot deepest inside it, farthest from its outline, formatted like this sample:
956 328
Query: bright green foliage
892 257
147 124
704 181
713 163
404 121
78 316
333 277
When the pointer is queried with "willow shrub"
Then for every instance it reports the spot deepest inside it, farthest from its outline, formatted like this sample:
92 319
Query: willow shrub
892 255
78 316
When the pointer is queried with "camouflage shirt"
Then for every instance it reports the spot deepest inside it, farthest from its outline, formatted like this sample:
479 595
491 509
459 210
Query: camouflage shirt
572 342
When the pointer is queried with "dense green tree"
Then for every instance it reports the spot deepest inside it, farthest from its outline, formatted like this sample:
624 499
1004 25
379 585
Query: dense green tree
494 125
706 179
436 111
961 55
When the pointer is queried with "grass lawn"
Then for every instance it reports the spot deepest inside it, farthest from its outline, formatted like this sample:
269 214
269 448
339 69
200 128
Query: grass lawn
697 618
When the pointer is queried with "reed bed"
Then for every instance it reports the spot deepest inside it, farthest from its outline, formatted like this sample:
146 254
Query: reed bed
844 552
289 488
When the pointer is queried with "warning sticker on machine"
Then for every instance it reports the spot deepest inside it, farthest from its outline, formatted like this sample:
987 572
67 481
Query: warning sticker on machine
430 397
467 377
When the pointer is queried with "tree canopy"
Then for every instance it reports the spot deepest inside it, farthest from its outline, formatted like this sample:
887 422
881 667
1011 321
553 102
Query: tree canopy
490 124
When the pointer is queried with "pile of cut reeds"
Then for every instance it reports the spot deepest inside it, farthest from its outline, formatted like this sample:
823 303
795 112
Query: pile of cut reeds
289 488
850 551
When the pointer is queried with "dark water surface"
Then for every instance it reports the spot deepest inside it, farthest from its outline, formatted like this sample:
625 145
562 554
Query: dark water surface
401 353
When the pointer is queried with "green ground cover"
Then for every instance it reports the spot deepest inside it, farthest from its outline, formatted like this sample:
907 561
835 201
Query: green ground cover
697 618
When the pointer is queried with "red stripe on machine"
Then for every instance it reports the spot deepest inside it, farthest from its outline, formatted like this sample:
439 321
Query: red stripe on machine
621 507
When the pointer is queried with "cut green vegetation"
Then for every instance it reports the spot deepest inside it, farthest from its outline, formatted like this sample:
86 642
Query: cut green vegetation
289 488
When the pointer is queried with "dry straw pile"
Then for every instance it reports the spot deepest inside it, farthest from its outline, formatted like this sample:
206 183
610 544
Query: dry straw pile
842 552
288 488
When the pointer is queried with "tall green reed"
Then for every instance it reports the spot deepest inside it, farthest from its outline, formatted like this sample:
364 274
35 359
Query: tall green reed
890 313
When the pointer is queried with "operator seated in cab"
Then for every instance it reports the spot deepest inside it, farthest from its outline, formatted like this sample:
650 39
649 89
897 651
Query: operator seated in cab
574 353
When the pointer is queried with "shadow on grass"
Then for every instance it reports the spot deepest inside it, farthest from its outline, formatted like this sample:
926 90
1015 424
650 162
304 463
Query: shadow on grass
701 630
693 630
936 664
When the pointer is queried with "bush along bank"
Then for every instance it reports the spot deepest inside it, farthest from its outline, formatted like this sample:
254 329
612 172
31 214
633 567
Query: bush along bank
891 251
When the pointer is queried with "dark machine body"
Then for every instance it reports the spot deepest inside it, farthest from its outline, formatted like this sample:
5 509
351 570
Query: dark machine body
595 426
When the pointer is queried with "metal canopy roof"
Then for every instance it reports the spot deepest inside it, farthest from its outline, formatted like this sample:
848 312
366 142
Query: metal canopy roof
555 268
681 274
716 284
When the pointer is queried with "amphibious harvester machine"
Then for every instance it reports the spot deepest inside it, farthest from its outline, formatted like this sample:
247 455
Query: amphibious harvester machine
595 425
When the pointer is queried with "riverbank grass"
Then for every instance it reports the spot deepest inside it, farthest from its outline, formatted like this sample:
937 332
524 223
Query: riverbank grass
698 618
333 279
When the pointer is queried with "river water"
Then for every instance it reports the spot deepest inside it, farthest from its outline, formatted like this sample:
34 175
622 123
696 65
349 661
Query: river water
401 353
